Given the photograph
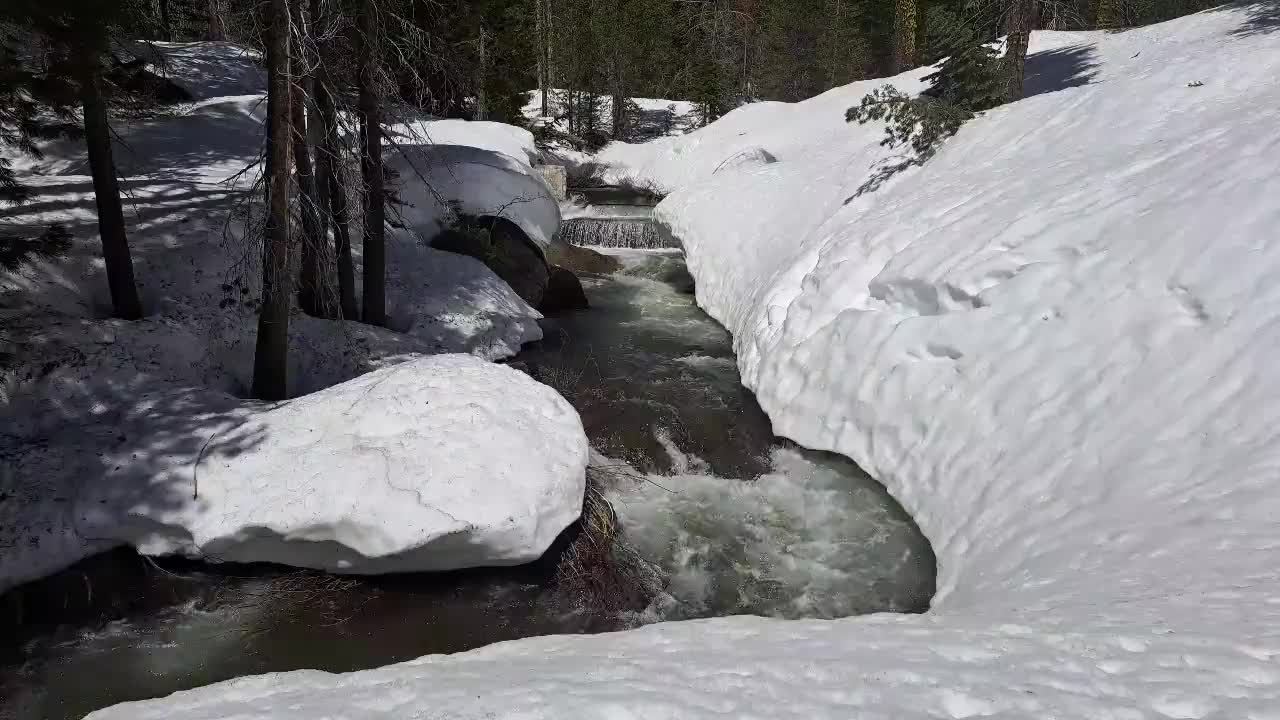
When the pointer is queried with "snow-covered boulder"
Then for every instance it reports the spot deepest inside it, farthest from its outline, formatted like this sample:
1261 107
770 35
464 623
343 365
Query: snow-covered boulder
436 183
438 463
1055 343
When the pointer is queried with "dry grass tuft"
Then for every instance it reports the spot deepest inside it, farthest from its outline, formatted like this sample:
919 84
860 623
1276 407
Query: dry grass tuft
599 568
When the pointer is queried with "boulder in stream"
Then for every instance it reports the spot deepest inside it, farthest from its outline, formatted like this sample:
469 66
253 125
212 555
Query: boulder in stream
505 248
564 292
581 259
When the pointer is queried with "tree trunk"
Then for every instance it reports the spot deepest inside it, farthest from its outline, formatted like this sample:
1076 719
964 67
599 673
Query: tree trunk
619 102
1020 20
166 25
548 29
330 288
543 70
312 295
904 35
482 97
922 29
834 43
106 190
1107 14
271 357
217 26
329 168
375 301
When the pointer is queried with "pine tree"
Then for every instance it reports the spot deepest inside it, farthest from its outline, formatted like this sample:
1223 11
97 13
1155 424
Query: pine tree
1018 24
369 102
97 134
312 286
1107 14
905 31
271 356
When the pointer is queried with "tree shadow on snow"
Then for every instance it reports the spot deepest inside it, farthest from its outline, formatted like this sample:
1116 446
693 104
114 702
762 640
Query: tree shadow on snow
168 224
79 458
1261 18
213 69
1059 69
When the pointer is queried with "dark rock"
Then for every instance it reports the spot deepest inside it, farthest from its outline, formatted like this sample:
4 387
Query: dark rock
504 248
564 292
581 259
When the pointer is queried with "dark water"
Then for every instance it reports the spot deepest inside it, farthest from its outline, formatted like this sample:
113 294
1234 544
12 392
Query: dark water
192 625
735 520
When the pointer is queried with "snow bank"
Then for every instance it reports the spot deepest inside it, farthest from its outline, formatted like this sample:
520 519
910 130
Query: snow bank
1054 343
433 464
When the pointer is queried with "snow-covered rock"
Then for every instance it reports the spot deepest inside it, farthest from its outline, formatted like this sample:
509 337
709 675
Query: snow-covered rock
433 464
1055 343
437 182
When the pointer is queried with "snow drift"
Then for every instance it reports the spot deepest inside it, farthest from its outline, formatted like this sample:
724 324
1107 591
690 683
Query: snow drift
1055 343
432 464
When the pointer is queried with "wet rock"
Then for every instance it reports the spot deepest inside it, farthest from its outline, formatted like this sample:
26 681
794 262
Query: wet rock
564 293
581 259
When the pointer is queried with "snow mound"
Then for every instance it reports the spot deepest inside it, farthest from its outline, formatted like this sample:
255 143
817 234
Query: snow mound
1055 343
433 464
437 182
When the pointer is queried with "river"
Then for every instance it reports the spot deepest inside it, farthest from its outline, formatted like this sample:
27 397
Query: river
732 519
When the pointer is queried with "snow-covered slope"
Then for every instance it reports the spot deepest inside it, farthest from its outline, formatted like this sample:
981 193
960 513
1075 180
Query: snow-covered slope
184 174
432 464
146 394
1055 343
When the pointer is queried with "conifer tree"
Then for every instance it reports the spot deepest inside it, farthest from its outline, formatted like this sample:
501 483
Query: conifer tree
270 363
78 33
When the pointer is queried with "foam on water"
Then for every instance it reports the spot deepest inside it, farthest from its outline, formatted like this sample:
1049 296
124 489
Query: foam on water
811 538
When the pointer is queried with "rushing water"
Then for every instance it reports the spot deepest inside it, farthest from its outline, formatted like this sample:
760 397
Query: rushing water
733 519
737 520
613 232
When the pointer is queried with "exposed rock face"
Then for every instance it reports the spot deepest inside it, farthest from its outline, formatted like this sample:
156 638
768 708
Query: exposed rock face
557 178
501 245
564 293
581 259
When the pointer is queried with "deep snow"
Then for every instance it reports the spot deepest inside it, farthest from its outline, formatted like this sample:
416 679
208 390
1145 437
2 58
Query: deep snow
1054 343
437 463
169 379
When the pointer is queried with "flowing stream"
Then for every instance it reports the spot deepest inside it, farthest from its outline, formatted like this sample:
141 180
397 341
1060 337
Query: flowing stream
732 519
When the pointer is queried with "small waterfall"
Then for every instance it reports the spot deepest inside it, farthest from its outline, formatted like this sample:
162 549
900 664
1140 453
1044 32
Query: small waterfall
633 232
